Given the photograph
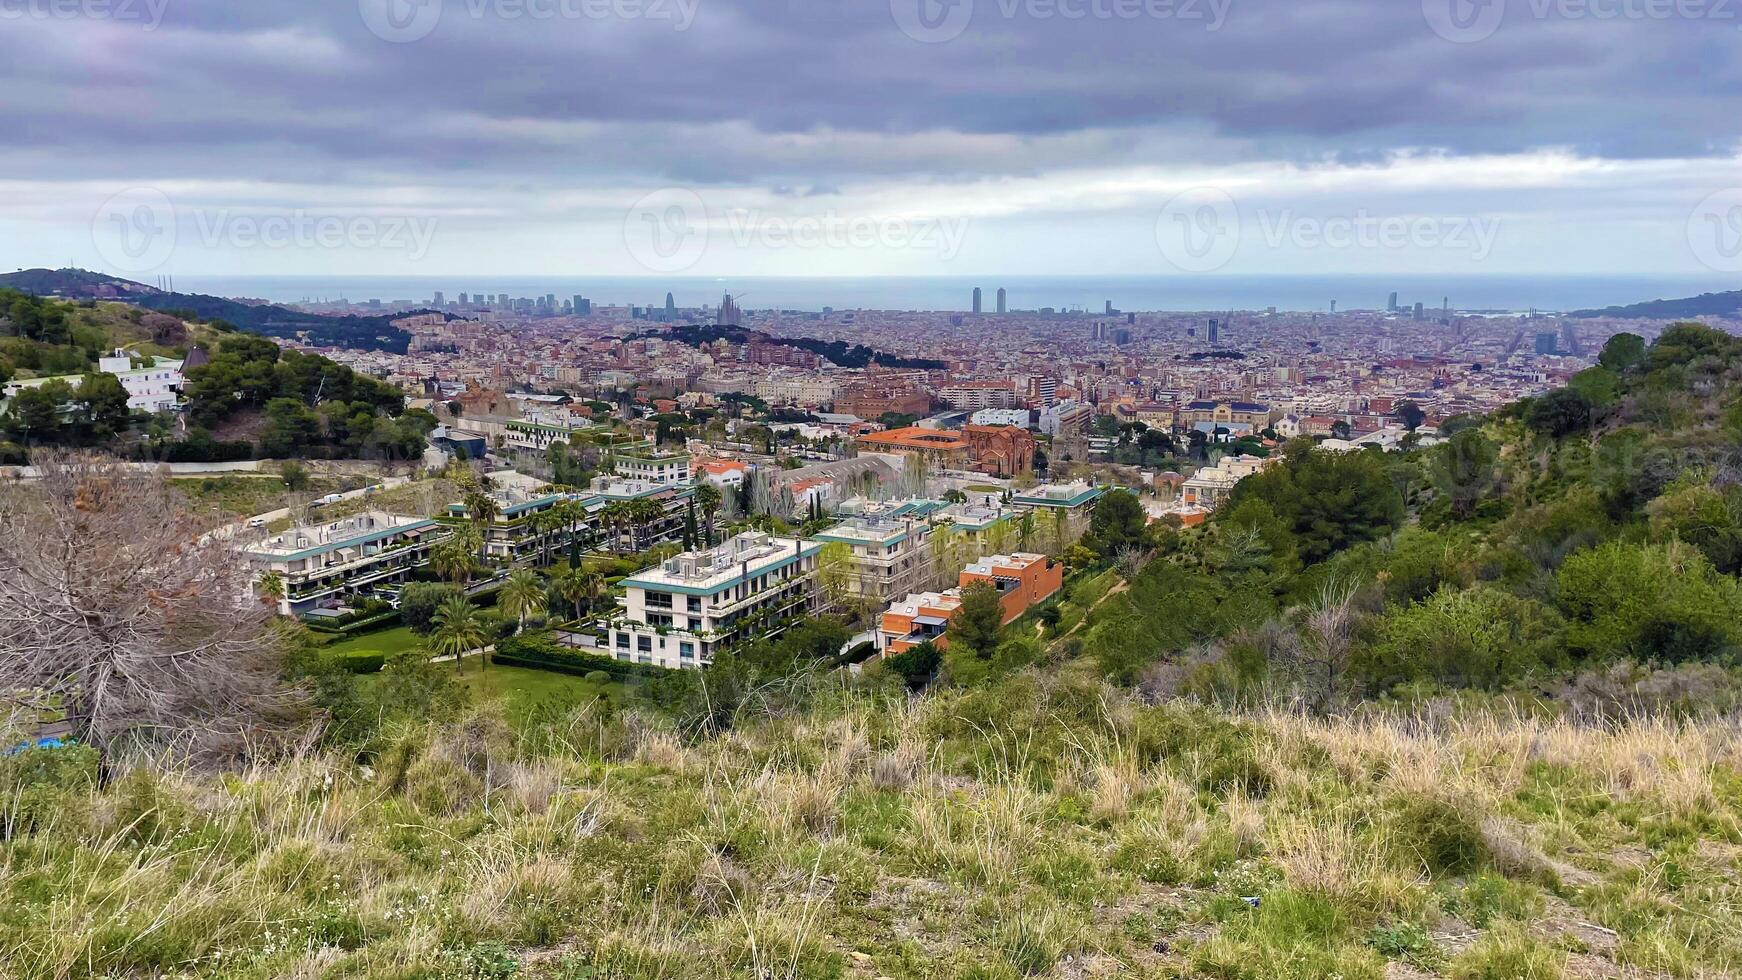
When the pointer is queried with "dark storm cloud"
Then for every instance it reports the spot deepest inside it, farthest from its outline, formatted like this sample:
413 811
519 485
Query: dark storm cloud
796 94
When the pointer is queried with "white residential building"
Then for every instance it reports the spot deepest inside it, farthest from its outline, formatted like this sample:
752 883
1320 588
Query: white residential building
323 564
684 611
154 386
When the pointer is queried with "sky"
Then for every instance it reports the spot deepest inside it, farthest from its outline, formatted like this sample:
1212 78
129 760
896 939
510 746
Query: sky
880 137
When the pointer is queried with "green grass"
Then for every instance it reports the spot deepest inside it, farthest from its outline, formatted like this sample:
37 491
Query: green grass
521 687
386 642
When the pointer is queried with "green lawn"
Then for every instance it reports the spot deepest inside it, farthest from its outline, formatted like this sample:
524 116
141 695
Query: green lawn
521 688
384 642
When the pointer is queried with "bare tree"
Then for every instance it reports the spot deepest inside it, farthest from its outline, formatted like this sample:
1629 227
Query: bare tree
120 615
1327 643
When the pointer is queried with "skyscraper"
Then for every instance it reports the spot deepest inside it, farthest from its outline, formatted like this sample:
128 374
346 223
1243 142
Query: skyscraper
583 304
1391 304
976 299
1001 307
670 308
439 300
1214 333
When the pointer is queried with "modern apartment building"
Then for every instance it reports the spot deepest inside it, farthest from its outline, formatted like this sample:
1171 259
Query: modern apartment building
647 462
322 565
889 555
1022 580
1211 485
1061 510
686 610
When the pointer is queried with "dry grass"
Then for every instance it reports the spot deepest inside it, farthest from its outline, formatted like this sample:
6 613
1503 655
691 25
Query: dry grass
1045 829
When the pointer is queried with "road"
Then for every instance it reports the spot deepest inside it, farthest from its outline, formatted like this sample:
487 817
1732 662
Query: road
284 512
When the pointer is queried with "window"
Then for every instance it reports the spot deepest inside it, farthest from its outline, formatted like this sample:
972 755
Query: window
644 643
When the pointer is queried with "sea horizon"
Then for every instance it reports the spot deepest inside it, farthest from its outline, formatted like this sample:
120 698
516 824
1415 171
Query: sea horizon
1089 294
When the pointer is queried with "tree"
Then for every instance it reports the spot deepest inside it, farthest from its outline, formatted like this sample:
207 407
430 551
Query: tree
100 407
707 497
481 508
1340 429
418 603
270 589
978 625
1116 524
1410 414
122 616
39 411
1329 500
835 574
578 585
1463 470
454 558
457 630
522 595
295 475
1559 413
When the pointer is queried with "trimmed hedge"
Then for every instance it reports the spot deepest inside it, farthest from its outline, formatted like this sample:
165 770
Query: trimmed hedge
544 653
341 627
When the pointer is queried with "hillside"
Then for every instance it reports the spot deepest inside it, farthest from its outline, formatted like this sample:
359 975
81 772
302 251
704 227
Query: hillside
1726 304
837 352
250 398
365 333
1465 712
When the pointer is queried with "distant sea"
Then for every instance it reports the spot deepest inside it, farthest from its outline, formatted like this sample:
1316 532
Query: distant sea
949 293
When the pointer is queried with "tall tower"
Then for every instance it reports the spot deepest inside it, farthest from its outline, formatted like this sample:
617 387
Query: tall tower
976 299
1001 307
1391 304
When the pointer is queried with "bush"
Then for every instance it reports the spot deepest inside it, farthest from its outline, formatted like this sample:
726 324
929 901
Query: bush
419 601
543 653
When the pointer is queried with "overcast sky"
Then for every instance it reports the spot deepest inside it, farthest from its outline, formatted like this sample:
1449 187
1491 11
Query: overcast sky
810 137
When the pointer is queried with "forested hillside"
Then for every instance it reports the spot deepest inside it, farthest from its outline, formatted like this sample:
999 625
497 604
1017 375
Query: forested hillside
1468 711
250 399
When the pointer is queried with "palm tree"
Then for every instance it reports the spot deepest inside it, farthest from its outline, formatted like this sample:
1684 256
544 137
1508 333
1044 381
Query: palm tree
615 517
522 596
576 584
452 559
643 514
544 524
271 588
483 510
708 499
457 629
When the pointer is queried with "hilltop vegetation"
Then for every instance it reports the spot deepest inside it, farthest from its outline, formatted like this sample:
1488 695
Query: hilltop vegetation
259 399
266 319
1463 712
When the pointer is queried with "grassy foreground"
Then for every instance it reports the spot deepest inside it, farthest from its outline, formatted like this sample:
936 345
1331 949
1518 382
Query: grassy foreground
1039 827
